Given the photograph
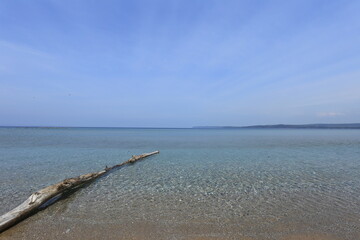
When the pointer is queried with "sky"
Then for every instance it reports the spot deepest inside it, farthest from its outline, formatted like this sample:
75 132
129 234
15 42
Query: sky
179 63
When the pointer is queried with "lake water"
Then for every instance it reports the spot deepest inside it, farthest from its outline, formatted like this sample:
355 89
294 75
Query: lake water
204 184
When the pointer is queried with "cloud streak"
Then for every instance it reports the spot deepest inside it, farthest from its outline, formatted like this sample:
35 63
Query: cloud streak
330 114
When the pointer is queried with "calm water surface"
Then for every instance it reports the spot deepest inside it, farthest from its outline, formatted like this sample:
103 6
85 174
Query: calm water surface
230 184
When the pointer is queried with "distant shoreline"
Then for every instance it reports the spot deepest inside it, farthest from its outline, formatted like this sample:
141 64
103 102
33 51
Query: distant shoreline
289 126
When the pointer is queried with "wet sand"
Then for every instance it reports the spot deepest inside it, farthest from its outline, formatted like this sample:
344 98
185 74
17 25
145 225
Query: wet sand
32 228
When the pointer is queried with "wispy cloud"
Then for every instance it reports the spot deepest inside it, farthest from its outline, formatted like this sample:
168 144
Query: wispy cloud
329 114
22 48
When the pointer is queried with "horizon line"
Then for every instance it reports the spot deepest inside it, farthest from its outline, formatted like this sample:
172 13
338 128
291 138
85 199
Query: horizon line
196 127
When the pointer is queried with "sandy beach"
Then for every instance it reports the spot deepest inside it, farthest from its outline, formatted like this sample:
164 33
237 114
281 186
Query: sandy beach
143 231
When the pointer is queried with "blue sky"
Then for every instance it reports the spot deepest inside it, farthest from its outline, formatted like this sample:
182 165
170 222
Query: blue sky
178 63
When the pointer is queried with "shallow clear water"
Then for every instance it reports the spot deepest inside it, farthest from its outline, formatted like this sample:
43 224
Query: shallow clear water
262 184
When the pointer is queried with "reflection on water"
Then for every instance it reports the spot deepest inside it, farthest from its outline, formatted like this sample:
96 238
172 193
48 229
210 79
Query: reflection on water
261 184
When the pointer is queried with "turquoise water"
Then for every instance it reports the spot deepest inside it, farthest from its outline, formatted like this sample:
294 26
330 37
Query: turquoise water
258 183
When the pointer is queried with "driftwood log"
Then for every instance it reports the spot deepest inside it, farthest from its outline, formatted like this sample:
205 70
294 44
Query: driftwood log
52 193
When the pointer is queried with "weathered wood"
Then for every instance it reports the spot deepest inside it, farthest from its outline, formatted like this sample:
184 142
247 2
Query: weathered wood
42 196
